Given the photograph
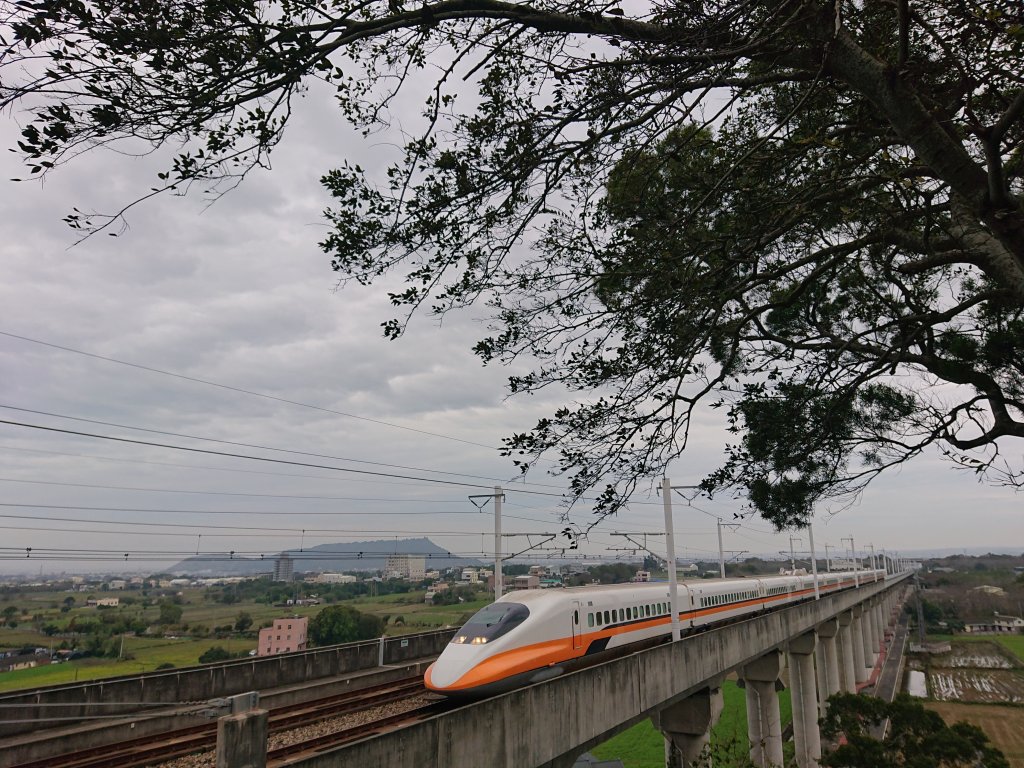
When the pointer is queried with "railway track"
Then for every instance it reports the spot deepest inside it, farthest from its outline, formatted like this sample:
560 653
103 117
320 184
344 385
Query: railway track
162 747
285 756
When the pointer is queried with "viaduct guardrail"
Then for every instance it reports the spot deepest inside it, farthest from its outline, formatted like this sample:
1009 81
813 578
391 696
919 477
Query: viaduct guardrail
196 684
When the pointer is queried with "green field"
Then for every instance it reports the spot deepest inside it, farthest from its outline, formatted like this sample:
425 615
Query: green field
148 652
644 747
405 613
1013 643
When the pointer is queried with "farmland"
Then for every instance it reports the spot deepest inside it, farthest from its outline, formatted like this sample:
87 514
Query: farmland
981 681
48 619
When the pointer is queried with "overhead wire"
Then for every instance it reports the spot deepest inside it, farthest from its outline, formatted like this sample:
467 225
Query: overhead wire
246 532
228 493
257 446
290 462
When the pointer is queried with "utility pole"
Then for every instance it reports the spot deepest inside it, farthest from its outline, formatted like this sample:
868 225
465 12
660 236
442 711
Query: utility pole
828 560
670 546
721 552
874 576
792 554
497 542
814 560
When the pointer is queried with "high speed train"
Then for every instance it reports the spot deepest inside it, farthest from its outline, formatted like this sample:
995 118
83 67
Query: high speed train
529 636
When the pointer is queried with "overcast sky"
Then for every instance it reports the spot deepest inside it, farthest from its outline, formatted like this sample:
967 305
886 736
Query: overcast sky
239 294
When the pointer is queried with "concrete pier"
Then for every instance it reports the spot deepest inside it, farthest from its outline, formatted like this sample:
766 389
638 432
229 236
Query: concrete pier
687 726
827 632
868 650
860 670
847 673
804 695
764 723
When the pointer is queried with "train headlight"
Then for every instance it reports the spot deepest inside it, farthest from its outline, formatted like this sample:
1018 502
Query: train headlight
478 641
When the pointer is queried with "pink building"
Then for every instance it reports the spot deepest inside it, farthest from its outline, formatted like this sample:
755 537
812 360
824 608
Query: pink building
285 636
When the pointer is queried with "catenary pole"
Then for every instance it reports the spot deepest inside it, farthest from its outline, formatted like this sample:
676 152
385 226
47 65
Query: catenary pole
497 542
721 552
814 560
670 545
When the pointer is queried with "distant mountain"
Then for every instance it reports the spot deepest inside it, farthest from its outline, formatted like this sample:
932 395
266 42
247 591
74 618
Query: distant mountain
353 556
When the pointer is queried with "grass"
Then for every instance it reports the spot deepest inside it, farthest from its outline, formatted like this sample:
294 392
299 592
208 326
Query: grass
642 746
1013 643
149 653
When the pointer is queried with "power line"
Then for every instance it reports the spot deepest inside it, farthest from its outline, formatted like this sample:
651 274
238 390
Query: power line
208 467
276 513
241 390
256 445
228 493
276 532
196 526
229 454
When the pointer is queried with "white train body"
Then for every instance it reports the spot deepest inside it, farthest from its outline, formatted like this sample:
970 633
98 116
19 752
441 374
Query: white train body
529 636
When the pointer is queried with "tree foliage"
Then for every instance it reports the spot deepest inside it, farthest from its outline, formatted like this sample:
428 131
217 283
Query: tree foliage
343 624
806 213
215 653
169 613
918 737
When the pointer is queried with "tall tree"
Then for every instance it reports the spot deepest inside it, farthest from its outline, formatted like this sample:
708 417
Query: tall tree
806 212
343 624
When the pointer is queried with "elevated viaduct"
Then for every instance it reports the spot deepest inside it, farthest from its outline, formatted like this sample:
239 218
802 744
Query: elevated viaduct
830 645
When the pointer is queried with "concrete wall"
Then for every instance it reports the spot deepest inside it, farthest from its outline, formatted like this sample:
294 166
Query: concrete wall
568 715
49 745
197 684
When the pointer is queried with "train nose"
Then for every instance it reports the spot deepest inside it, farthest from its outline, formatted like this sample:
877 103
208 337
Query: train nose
452 664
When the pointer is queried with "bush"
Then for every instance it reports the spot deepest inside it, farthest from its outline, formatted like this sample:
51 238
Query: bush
216 653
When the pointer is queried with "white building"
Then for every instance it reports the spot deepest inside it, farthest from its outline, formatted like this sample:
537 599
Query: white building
334 578
408 567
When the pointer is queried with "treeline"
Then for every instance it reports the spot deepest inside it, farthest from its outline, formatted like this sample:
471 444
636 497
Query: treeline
274 592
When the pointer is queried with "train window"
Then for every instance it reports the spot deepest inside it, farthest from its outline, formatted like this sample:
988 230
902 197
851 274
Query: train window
492 622
607 620
590 619
648 609
636 612
576 618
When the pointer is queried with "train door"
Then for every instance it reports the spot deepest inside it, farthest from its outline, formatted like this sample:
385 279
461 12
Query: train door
577 629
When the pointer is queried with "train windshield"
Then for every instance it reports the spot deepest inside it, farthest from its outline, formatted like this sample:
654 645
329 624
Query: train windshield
491 622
